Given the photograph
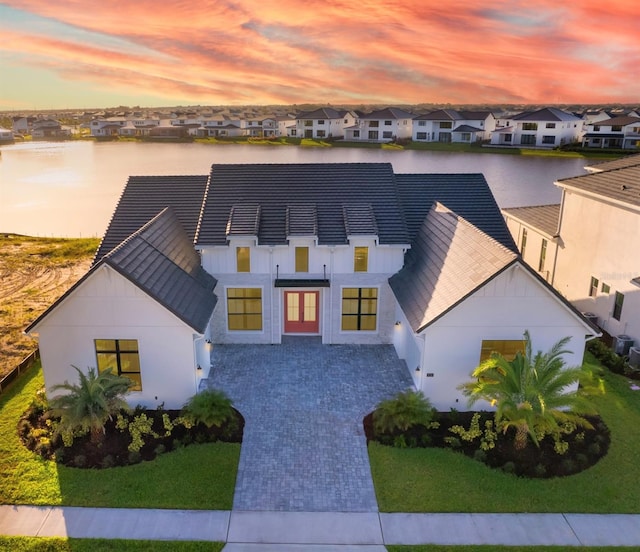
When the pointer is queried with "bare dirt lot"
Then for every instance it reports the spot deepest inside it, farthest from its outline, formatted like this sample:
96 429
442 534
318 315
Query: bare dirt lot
34 272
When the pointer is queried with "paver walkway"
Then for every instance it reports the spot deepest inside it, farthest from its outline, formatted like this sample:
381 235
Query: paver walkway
304 447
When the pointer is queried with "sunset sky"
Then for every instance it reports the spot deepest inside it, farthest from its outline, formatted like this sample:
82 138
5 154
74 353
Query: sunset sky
80 53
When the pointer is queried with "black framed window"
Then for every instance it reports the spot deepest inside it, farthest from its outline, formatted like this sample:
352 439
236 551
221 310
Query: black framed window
122 356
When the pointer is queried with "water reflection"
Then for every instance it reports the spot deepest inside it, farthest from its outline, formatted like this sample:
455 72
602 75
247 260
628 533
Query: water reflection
71 188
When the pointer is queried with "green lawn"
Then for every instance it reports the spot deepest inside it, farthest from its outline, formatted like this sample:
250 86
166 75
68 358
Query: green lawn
195 477
439 480
493 548
38 544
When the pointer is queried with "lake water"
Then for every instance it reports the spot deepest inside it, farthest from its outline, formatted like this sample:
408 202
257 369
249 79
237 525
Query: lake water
71 189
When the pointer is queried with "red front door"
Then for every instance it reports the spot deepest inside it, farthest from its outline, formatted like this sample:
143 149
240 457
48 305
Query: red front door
301 312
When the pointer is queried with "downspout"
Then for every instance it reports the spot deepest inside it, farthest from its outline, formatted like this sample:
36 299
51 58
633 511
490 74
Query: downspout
559 239
331 291
271 290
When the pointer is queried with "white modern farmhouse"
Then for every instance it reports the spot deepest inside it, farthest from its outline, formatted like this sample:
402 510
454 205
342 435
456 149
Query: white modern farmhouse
350 253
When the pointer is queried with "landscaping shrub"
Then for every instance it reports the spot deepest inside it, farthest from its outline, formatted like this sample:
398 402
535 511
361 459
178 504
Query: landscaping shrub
404 411
210 407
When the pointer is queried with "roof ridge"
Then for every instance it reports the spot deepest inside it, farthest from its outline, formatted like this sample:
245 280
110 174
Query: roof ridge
442 208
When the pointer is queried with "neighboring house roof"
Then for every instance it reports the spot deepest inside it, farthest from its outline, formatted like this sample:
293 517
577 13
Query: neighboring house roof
467 128
618 185
546 114
440 115
145 196
330 187
161 260
388 113
449 260
621 163
468 195
541 217
322 113
622 120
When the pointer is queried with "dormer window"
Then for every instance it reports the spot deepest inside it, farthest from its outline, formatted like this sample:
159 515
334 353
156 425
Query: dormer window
302 259
361 259
243 259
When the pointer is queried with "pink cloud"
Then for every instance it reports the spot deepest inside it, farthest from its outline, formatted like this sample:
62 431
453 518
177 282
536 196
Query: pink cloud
341 51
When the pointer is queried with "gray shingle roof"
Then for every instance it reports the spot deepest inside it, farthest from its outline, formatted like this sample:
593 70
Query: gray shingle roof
360 219
467 128
449 260
541 217
302 220
440 115
144 197
621 163
321 113
161 260
244 220
388 113
328 186
620 185
546 114
468 195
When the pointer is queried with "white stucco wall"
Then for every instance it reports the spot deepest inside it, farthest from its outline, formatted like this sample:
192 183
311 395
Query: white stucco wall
107 306
532 252
503 309
333 263
600 240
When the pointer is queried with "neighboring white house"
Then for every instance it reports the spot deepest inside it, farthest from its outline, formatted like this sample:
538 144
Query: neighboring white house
591 255
547 128
619 132
6 135
449 125
383 125
351 253
325 122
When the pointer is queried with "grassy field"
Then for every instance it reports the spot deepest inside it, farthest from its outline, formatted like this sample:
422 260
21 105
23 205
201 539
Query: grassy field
34 272
194 477
439 480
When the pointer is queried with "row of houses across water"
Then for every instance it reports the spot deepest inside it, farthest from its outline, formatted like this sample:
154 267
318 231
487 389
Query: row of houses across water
548 127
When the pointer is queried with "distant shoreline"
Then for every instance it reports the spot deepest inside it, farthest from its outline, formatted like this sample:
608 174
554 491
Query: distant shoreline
452 147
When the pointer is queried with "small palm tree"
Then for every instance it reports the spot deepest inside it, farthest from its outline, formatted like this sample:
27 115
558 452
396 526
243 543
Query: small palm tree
88 404
402 412
531 393
212 407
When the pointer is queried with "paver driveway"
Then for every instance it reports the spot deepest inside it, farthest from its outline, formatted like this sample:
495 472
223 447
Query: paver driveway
304 447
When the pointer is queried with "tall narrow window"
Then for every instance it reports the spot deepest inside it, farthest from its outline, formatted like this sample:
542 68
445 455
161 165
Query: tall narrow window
302 259
243 259
593 287
617 305
543 255
361 259
121 355
359 309
244 308
523 242
605 288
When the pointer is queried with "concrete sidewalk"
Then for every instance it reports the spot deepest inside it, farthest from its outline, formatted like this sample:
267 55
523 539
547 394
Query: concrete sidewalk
321 531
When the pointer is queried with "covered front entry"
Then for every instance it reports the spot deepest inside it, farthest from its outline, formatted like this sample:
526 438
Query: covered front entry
301 311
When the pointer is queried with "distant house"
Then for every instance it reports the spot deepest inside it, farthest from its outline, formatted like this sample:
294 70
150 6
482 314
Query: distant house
618 132
48 128
591 238
350 253
138 127
107 127
545 128
6 135
449 125
325 122
383 125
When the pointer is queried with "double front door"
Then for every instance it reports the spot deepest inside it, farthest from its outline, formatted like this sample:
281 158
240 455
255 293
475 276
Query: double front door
301 312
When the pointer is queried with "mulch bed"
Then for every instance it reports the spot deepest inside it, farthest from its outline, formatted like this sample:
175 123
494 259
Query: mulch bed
586 446
112 449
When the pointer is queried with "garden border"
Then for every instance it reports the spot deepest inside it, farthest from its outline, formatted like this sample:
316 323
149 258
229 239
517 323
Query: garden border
21 368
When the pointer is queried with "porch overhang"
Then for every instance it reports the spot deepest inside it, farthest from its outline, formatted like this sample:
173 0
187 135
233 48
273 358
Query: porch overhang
301 282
